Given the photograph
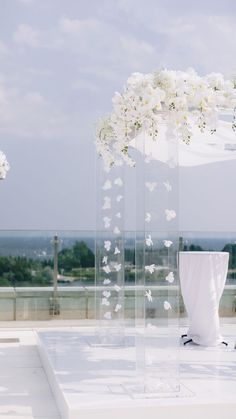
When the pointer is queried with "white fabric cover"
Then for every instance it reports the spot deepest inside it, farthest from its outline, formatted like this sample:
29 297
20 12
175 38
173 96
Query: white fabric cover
203 148
202 279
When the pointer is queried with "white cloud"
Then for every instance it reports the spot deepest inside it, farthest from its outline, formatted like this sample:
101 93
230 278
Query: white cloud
76 26
85 85
26 35
26 1
30 115
34 99
39 72
198 34
3 48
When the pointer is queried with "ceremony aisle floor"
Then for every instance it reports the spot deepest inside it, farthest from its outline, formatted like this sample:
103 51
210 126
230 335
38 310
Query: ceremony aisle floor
87 381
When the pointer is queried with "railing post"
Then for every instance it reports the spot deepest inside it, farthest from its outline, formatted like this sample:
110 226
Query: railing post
54 304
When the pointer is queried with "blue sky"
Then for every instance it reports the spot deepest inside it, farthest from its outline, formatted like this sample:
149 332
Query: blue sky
60 63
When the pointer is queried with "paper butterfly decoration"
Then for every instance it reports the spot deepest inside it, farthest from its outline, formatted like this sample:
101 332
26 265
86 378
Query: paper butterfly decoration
168 186
167 305
167 243
105 302
117 288
107 222
107 315
118 215
117 267
118 181
106 294
149 241
107 185
151 326
148 217
119 198
151 186
170 277
150 268
106 269
104 260
148 294
107 245
106 281
107 203
170 214
116 230
117 307
117 251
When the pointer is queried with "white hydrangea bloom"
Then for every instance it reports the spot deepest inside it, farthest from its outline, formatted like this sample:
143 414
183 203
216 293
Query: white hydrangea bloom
4 165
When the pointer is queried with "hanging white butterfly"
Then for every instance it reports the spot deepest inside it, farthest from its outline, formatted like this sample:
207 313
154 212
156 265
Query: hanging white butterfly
117 267
106 269
167 243
151 326
170 277
168 186
149 241
105 302
148 294
118 181
107 185
106 281
104 260
117 251
150 268
106 294
119 198
151 186
116 230
167 305
148 217
107 315
118 307
118 215
107 245
170 214
107 222
117 288
107 203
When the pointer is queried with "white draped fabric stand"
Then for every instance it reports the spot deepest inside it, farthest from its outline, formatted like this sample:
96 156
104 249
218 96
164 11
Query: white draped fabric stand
204 148
202 279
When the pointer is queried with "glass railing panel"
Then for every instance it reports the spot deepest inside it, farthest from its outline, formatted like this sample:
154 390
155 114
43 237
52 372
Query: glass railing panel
26 273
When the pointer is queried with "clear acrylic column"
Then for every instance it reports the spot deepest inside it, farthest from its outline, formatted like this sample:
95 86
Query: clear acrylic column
109 277
157 285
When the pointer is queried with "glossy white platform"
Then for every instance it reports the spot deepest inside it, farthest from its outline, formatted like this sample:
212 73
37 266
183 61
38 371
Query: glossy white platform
88 381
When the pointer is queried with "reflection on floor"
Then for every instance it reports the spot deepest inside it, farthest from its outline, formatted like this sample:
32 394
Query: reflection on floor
91 382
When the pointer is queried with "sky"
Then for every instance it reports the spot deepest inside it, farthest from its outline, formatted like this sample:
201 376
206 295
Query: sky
60 63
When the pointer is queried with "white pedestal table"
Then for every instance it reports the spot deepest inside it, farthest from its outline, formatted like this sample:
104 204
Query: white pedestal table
202 279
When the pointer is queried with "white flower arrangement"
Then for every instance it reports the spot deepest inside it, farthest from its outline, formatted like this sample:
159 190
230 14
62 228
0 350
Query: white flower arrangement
4 165
183 99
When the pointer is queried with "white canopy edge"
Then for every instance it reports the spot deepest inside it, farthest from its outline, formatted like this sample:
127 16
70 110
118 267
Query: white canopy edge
204 148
